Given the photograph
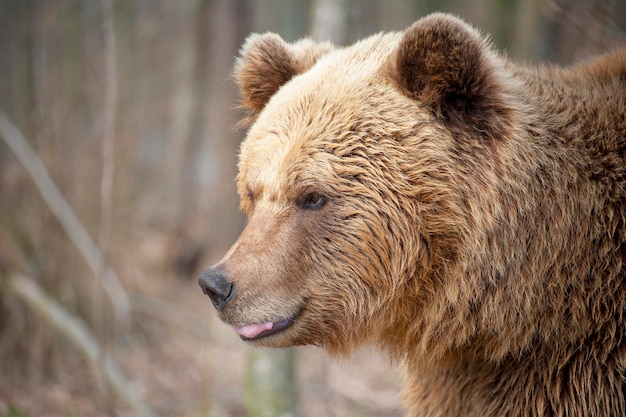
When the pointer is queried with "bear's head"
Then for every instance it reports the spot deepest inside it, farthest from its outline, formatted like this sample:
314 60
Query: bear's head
360 175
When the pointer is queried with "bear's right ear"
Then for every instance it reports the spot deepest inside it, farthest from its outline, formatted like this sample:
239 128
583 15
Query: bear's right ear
448 66
266 62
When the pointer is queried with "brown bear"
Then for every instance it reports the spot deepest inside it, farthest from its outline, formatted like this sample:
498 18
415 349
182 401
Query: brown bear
420 192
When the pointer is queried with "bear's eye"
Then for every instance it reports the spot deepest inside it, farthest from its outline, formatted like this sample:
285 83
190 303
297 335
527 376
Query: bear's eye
312 201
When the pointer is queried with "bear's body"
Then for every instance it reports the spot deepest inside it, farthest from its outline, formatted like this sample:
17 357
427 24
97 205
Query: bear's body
419 192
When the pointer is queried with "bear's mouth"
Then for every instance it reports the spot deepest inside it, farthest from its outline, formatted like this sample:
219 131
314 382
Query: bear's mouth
260 330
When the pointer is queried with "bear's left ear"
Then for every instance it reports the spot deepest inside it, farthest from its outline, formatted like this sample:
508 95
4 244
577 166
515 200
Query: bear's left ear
266 62
447 65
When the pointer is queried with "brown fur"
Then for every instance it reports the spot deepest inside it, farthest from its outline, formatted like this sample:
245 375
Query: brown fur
474 223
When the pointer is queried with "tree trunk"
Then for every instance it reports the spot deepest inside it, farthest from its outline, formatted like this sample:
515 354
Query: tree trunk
270 386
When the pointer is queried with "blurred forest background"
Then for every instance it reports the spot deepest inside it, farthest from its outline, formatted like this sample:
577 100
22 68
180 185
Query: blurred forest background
117 166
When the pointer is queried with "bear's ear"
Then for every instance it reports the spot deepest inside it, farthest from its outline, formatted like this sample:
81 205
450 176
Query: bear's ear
266 62
447 65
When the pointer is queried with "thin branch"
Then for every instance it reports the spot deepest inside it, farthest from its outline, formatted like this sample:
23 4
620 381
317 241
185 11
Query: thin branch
66 217
108 135
76 331
108 150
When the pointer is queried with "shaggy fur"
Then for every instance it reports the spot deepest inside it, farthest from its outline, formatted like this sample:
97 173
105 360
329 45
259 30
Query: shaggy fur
419 192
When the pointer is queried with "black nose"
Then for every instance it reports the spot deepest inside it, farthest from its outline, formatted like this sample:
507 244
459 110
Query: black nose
217 287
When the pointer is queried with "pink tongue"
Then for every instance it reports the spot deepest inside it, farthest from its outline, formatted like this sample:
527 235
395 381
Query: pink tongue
253 330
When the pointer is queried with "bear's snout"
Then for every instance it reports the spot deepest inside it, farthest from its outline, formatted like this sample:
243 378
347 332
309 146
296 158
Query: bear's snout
219 289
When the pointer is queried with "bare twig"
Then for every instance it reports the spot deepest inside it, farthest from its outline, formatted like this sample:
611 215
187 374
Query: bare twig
66 217
76 331
108 153
108 134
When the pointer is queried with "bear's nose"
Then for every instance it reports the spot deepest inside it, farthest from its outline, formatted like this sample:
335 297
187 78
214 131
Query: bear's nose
215 284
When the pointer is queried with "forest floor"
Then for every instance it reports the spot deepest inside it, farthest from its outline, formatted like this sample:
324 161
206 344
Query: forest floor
185 363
